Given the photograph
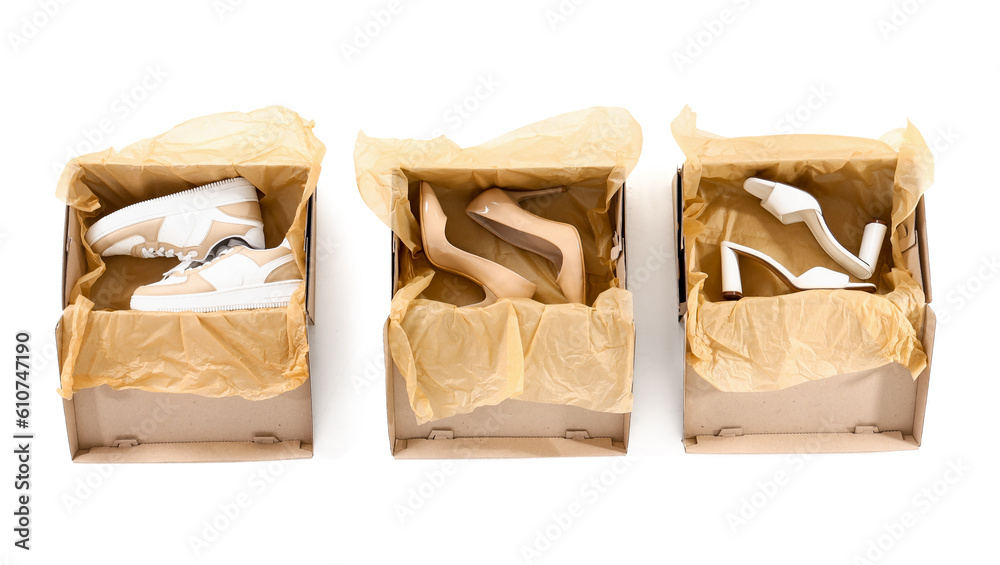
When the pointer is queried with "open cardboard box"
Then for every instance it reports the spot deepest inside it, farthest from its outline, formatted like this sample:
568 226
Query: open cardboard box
513 428
134 426
876 410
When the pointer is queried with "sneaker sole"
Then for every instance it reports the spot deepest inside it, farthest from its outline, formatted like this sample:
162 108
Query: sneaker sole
178 203
266 295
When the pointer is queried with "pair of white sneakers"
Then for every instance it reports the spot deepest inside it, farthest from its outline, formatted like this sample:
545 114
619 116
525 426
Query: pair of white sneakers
217 232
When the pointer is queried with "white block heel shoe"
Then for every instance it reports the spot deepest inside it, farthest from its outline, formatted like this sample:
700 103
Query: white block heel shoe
239 278
791 205
499 212
187 225
815 278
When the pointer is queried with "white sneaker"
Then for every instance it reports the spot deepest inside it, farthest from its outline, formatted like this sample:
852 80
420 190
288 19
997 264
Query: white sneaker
187 225
239 278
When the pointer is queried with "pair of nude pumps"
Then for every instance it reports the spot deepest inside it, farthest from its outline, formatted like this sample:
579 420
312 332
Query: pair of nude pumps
499 212
791 205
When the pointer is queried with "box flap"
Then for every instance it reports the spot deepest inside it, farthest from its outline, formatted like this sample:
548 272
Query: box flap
882 397
104 415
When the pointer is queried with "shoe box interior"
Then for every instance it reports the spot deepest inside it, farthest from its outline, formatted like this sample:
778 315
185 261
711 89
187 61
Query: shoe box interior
131 425
512 428
881 409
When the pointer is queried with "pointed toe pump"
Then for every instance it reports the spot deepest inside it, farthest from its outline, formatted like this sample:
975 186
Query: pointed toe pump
815 278
791 205
496 280
499 212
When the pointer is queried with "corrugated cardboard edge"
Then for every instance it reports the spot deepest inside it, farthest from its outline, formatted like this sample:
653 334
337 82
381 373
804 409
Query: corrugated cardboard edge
801 443
195 451
499 447
505 448
817 442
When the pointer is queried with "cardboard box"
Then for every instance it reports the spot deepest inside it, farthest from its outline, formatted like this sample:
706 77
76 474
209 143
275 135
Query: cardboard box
134 426
876 410
513 428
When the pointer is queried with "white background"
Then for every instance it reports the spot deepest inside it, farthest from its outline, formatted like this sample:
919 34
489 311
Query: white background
876 64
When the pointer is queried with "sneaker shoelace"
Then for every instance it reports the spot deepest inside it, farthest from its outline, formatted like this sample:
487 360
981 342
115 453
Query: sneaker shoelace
192 265
150 252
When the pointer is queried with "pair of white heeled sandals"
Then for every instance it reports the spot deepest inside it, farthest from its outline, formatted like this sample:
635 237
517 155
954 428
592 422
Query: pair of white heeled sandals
499 212
791 205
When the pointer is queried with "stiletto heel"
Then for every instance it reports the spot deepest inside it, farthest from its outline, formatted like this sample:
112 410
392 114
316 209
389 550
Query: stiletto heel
791 205
815 278
497 281
498 211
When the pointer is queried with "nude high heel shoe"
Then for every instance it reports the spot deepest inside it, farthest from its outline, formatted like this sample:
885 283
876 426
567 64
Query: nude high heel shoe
496 280
815 278
498 211
792 205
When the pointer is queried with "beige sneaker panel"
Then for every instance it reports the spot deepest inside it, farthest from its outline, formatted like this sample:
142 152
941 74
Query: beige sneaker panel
243 210
287 272
148 230
264 256
194 284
